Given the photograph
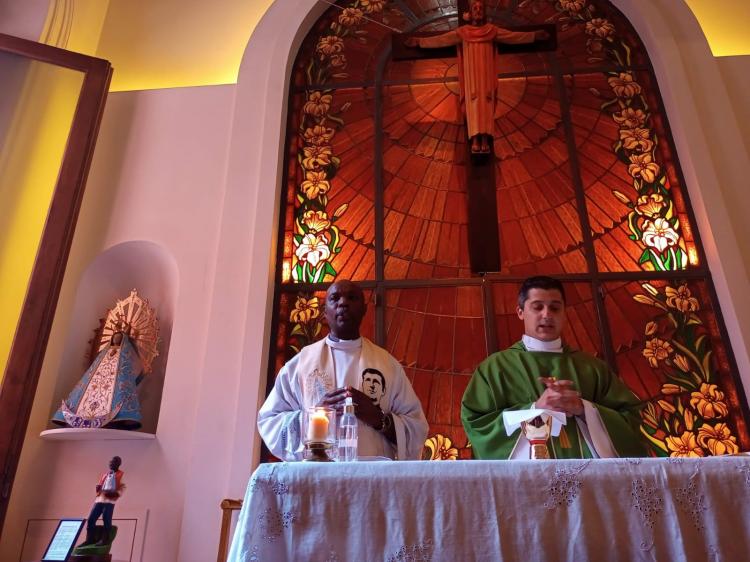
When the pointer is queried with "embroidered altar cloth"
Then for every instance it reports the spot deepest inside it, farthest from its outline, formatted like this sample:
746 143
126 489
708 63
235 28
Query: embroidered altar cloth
596 509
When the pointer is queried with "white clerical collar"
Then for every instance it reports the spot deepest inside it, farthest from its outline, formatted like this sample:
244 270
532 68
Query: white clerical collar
533 344
345 345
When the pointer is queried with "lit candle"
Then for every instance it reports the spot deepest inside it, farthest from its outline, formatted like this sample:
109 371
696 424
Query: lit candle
318 427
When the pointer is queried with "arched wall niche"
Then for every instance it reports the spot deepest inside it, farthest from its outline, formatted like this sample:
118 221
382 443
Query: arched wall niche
141 265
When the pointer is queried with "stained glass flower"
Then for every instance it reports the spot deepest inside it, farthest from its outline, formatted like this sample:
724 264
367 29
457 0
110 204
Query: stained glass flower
650 288
666 406
681 363
338 61
669 388
657 350
372 6
317 104
315 184
630 118
684 446
350 17
600 27
659 234
572 6
305 310
636 139
650 205
709 402
441 448
687 416
644 299
316 157
316 221
624 86
329 45
313 249
718 439
318 135
643 166
680 299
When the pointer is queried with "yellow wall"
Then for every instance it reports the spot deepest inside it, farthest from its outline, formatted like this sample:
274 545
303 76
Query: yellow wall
725 24
29 162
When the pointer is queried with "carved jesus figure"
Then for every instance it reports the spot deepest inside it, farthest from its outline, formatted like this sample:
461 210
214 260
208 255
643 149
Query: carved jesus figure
476 67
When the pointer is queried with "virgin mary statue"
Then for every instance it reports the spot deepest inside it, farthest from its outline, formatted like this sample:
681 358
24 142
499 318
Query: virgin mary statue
106 394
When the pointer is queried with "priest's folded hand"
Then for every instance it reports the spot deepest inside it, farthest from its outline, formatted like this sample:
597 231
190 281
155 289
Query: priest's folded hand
364 408
561 396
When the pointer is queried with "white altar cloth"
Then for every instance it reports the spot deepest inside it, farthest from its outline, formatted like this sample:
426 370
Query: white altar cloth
576 510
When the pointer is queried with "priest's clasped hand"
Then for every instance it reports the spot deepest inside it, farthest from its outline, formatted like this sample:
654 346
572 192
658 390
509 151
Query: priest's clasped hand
560 395
364 408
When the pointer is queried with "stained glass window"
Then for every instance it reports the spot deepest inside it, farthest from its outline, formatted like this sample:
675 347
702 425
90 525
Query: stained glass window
588 189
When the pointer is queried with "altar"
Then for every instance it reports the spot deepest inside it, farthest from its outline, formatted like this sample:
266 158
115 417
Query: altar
604 509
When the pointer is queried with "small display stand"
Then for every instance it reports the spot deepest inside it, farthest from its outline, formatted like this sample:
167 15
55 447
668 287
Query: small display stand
63 540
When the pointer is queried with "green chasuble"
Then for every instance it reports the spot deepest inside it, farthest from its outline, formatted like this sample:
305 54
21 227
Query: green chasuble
509 380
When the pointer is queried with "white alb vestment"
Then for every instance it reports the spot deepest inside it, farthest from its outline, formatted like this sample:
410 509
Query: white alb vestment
327 365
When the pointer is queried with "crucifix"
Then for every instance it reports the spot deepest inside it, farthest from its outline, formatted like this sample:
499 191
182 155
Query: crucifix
476 43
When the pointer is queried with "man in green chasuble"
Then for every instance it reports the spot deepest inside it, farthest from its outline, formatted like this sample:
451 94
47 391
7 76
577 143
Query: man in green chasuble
540 372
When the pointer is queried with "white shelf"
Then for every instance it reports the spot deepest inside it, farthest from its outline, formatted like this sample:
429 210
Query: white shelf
85 434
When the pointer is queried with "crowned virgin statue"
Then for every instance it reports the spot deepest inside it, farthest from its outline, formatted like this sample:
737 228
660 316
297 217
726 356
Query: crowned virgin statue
106 394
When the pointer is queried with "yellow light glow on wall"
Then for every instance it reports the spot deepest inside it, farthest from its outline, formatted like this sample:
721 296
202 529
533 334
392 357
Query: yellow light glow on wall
725 24
181 43
39 101
177 43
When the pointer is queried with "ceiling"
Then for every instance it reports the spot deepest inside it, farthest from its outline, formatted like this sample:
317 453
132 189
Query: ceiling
176 43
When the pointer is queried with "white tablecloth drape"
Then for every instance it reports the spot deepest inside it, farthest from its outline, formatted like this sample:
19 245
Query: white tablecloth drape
604 509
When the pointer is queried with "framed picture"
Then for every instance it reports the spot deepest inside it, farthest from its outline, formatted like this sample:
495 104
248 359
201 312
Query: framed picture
63 540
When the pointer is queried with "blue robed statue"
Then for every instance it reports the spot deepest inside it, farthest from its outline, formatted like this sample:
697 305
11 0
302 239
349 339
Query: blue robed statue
106 395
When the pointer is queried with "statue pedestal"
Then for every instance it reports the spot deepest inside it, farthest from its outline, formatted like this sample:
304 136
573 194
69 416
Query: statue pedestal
90 558
99 434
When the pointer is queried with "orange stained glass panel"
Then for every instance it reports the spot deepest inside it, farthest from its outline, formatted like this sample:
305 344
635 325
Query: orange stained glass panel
634 200
329 214
581 42
424 184
668 349
424 147
345 46
437 333
539 226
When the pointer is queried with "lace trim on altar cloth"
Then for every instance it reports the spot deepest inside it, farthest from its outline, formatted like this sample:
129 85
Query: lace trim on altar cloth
413 553
564 487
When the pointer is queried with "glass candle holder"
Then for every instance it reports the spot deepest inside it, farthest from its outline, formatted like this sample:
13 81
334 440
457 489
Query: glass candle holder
319 427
